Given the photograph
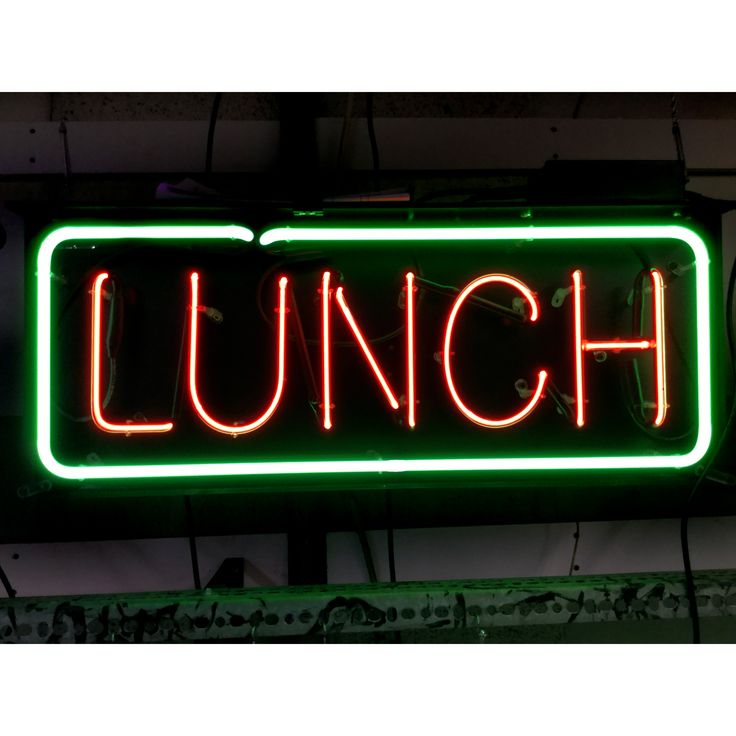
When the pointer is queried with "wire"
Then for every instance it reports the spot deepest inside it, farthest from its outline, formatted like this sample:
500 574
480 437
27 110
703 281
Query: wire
110 351
638 420
192 543
345 132
671 336
297 331
363 538
729 316
6 583
211 132
684 521
310 340
372 135
578 105
390 550
67 156
677 135
367 556
576 537
390 539
638 329
111 361
176 401
684 541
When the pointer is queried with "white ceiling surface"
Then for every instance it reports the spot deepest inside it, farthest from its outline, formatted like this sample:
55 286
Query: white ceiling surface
536 550
531 550
139 565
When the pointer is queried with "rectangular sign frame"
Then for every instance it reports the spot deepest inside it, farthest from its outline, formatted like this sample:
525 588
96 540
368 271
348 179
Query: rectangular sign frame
281 237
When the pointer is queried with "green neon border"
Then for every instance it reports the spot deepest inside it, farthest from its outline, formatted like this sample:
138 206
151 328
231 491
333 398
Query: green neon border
378 234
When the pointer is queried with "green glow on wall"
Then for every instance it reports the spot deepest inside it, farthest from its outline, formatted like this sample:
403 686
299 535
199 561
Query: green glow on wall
377 235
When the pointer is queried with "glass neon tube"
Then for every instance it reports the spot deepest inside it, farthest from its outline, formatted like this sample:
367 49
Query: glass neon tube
340 296
657 344
96 380
326 394
659 338
590 345
485 239
234 429
542 376
410 367
577 283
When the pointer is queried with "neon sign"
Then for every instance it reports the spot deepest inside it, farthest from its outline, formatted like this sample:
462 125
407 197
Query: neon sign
533 316
95 399
234 429
498 369
657 344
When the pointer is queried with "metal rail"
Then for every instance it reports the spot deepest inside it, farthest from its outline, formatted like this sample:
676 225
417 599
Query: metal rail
339 612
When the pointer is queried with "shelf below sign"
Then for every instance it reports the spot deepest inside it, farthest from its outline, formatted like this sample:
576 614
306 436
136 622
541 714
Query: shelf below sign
191 351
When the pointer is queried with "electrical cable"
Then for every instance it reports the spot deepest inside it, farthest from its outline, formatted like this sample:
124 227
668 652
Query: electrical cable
110 351
176 401
83 285
684 521
67 156
345 132
672 338
64 192
729 317
578 106
391 552
671 334
372 135
192 543
677 135
684 541
390 539
639 421
363 539
211 132
638 329
367 556
576 537
310 340
111 360
297 330
6 583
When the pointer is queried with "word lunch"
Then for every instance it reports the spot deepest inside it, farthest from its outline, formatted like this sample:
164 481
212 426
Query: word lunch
341 402
336 296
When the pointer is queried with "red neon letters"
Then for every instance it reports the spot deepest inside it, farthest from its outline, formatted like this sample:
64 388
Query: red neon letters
326 382
411 399
657 344
542 376
581 343
235 429
95 385
340 295
326 340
